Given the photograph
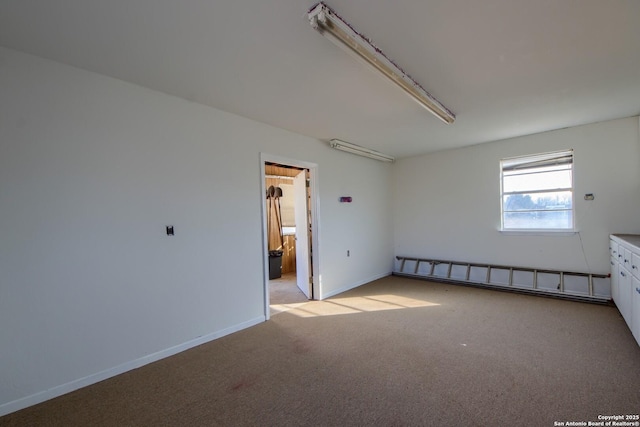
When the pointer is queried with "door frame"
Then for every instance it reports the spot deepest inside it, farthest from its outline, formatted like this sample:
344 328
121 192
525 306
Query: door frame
315 223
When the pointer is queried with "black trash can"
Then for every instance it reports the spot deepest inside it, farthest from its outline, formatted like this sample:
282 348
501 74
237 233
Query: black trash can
275 264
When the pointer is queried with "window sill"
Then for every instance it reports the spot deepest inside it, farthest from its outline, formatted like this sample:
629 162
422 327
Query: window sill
526 232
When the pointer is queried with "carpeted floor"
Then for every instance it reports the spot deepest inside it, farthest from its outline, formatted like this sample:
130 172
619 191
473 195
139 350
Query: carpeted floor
284 294
395 352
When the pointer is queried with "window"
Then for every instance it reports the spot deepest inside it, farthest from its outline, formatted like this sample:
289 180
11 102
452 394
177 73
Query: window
537 192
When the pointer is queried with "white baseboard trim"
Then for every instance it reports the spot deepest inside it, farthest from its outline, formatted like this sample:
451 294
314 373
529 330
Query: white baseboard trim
354 285
45 395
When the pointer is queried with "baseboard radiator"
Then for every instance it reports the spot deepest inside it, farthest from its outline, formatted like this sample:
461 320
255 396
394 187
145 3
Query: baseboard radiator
587 287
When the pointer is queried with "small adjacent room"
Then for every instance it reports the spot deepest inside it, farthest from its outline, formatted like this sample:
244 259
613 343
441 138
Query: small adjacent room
340 213
284 214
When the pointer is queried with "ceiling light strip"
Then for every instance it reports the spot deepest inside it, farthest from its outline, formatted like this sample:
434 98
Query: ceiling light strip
333 27
360 151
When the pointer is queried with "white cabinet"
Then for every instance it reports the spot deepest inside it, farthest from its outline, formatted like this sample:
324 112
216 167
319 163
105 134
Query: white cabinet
626 259
624 294
615 270
635 294
625 278
613 249
635 264
614 280
635 303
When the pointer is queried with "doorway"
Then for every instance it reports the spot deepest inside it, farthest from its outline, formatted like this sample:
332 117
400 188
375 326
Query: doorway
290 215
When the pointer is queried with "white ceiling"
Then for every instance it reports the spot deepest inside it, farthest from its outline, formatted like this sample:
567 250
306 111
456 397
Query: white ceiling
505 67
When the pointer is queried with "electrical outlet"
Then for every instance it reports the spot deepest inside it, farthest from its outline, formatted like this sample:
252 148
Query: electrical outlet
348 252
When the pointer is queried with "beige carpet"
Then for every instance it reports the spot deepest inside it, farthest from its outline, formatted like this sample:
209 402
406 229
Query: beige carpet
395 352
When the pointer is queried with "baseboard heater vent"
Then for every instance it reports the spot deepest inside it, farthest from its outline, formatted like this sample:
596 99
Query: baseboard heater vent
587 287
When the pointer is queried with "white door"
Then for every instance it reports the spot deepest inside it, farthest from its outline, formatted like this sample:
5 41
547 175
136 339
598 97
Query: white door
302 233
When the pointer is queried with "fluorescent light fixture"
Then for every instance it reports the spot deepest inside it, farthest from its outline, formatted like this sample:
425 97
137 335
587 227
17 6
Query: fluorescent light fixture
333 27
360 151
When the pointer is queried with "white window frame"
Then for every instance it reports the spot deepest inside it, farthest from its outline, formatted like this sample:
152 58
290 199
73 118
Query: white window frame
529 162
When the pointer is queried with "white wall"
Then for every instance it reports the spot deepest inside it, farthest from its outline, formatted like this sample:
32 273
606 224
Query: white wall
287 202
360 227
447 204
91 171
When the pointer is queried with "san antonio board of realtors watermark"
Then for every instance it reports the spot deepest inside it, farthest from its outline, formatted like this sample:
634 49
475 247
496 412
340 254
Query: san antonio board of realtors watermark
628 420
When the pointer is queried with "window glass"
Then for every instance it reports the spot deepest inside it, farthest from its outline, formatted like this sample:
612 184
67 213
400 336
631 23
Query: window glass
537 192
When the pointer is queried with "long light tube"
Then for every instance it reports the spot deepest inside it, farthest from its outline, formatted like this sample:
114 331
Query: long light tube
360 151
333 27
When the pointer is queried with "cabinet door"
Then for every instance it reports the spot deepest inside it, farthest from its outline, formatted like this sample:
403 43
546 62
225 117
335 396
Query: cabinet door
614 280
620 254
613 249
635 264
635 308
626 257
624 294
